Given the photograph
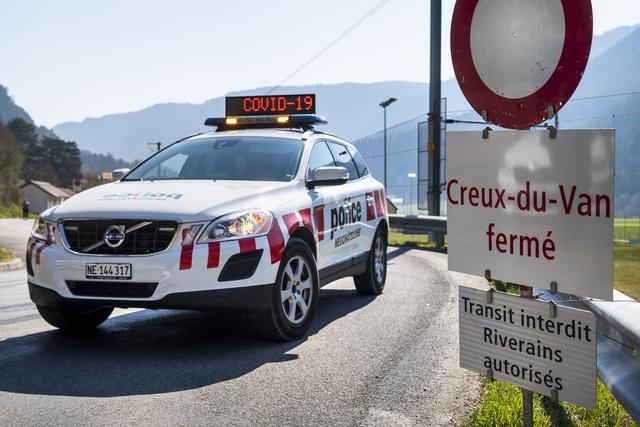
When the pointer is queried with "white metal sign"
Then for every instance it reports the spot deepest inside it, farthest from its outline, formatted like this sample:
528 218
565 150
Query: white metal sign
532 210
516 340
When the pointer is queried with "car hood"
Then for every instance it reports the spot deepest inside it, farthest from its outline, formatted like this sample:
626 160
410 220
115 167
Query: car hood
184 200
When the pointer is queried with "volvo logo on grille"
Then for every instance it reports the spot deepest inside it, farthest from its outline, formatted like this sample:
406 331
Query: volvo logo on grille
114 236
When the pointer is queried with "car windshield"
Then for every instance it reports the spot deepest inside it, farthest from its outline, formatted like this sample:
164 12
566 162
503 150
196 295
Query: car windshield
249 158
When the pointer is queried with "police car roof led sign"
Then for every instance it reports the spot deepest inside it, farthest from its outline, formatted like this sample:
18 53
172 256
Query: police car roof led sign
269 105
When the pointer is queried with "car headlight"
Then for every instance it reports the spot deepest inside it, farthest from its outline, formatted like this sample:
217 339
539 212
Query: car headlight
43 230
251 223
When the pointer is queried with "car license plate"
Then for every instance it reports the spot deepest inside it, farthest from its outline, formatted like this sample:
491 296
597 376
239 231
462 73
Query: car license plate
109 271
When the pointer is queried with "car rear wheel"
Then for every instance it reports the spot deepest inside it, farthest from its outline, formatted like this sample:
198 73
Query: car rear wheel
75 319
372 281
295 295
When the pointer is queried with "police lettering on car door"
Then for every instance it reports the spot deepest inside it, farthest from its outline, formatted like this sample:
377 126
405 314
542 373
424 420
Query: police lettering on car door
348 213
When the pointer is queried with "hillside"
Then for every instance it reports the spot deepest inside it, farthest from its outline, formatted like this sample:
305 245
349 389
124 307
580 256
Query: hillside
603 42
351 109
9 110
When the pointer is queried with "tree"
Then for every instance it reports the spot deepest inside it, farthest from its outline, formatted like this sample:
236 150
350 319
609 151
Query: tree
10 167
26 137
64 159
46 158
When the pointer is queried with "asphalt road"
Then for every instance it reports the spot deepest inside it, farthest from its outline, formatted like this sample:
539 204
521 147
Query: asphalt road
390 360
14 233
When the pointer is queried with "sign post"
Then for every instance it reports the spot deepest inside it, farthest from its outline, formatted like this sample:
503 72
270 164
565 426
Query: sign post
527 395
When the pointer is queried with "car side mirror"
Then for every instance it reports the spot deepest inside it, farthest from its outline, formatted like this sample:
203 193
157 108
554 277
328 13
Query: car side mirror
327 175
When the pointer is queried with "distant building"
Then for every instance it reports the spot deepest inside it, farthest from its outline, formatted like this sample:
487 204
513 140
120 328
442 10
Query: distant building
105 176
391 207
69 191
43 195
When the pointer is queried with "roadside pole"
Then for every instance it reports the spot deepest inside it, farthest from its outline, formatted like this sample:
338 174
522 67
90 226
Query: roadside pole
527 395
433 145
385 150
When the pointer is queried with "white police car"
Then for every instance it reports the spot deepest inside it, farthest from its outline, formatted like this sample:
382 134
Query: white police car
255 216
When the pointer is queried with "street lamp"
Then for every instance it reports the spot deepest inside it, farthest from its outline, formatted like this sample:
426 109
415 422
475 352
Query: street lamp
411 176
384 105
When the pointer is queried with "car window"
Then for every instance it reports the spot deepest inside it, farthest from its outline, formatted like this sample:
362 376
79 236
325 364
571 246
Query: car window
171 167
359 161
248 158
343 158
320 156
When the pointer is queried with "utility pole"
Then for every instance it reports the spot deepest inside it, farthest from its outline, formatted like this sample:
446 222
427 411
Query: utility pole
156 145
384 105
384 108
433 145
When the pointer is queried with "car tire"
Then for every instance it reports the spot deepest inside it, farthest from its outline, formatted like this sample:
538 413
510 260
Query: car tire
294 297
74 319
372 281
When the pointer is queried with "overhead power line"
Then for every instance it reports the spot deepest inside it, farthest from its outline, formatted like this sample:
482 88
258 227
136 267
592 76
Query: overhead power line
611 95
584 98
342 35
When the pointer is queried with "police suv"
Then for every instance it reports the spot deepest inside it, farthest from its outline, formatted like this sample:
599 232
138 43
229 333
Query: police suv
255 216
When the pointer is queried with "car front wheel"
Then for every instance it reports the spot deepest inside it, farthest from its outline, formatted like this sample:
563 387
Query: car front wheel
294 297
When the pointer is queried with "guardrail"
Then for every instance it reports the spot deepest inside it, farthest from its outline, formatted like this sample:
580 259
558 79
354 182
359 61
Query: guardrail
618 323
417 224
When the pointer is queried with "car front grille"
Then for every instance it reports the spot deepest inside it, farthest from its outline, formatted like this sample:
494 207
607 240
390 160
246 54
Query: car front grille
112 289
155 236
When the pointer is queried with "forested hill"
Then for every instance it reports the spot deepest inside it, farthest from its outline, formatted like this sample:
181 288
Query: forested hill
91 163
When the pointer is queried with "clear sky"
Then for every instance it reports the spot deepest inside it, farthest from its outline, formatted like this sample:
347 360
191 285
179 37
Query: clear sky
71 59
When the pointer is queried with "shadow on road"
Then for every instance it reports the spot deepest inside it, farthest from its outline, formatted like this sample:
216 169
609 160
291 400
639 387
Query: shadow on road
152 352
400 251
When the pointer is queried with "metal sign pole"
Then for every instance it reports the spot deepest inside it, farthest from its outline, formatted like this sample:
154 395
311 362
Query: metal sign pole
385 150
527 408
434 115
527 395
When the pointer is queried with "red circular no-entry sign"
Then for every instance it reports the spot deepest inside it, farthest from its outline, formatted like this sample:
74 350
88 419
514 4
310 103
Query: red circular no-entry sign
519 61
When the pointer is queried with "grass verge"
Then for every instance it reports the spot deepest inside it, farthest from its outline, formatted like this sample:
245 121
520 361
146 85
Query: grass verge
502 406
626 228
626 269
415 240
13 211
5 255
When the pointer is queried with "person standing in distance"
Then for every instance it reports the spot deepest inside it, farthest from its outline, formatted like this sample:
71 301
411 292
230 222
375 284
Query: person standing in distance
25 209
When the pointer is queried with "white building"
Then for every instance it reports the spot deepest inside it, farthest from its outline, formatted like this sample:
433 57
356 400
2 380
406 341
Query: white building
43 195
